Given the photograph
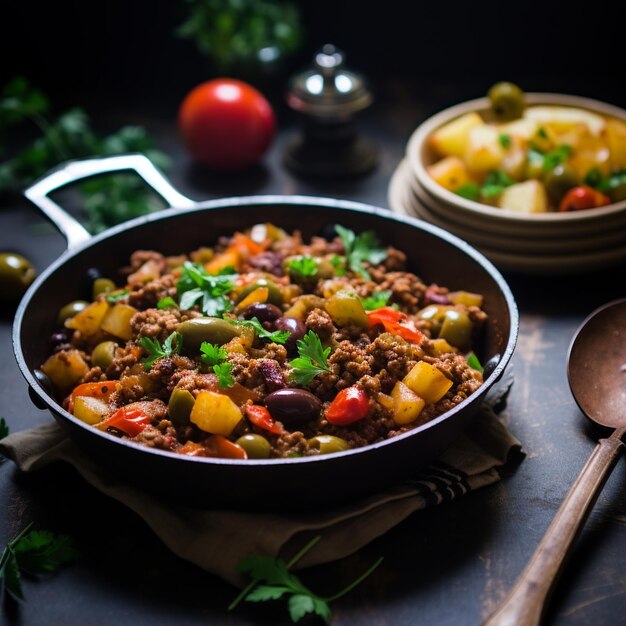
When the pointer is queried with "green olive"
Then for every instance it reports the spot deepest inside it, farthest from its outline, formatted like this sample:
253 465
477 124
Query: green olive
256 446
327 444
211 329
179 406
275 295
103 354
560 180
70 309
16 274
507 101
456 328
102 285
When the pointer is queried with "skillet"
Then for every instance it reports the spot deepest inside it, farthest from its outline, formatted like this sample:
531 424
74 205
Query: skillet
272 484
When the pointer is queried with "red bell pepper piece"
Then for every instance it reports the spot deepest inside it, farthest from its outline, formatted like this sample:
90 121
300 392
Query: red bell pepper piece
220 447
583 197
350 405
101 390
128 420
397 323
261 417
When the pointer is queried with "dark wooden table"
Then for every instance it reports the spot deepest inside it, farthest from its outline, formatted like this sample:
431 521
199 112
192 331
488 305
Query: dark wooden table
447 566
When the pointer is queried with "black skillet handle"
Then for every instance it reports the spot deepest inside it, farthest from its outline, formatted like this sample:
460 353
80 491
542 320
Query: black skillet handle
73 171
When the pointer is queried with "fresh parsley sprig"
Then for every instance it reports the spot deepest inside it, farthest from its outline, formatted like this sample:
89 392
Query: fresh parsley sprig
277 582
167 303
277 336
377 300
197 286
216 357
360 248
312 359
302 267
34 552
116 296
172 345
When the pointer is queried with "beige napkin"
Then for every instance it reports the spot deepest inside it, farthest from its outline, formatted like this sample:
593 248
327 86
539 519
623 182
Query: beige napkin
217 540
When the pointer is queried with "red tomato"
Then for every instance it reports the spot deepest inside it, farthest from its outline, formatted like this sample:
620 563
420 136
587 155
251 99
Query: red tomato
397 323
583 198
350 405
226 124
129 420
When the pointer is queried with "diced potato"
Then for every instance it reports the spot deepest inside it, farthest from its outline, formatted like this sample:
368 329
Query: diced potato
522 129
215 413
91 410
427 382
561 119
346 309
527 197
88 320
441 346
116 322
385 400
484 151
65 369
616 137
465 297
407 405
591 153
451 139
451 173
514 160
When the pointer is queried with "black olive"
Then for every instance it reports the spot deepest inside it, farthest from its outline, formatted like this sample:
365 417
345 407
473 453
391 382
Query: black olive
293 406
295 326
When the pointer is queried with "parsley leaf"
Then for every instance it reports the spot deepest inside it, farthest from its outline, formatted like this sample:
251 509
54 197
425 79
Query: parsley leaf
556 157
196 285
339 263
312 359
224 374
167 303
377 300
115 296
495 183
505 140
212 354
172 345
360 248
302 267
277 336
4 429
277 581
471 191
473 362
35 552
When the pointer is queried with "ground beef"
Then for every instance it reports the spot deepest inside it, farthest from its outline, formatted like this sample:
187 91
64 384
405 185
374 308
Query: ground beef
157 323
289 445
269 262
144 296
321 323
349 363
407 290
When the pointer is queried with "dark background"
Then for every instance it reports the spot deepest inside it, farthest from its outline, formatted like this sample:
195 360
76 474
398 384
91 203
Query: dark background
121 51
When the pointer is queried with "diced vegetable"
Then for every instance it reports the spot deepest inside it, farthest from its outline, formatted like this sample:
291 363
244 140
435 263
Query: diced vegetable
397 323
442 346
456 328
261 418
346 309
616 137
465 297
452 139
180 406
129 419
450 173
484 151
303 305
101 390
215 413
229 258
90 410
219 447
116 322
526 197
583 197
427 382
89 320
562 119
65 369
350 405
260 294
407 405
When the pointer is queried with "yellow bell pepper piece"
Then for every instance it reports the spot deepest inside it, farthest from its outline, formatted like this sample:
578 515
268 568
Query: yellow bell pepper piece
427 382
441 346
465 297
345 309
215 413
260 294
407 405
116 322
88 320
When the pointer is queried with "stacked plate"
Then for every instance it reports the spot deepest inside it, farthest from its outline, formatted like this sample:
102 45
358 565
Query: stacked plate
545 243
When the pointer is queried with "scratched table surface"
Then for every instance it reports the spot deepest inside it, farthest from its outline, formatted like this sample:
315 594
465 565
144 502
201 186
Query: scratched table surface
449 565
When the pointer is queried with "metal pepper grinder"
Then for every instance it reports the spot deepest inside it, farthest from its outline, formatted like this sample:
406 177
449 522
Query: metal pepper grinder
326 98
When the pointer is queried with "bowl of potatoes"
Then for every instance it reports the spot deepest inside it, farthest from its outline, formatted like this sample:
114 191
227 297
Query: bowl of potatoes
536 181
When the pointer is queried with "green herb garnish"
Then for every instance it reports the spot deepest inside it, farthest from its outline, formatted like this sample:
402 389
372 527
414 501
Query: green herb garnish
172 345
361 248
116 296
495 183
35 552
606 185
224 374
541 132
377 300
556 157
277 336
505 140
312 359
167 303
473 362
197 286
212 354
471 191
276 582
339 263
302 267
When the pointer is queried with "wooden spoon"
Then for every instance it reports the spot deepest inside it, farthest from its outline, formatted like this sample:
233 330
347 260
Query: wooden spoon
596 370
